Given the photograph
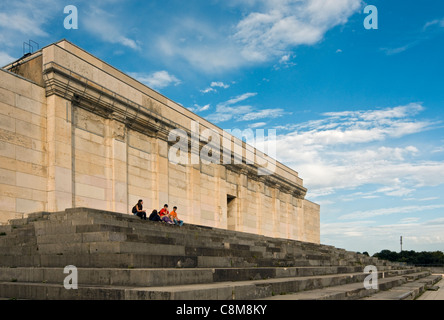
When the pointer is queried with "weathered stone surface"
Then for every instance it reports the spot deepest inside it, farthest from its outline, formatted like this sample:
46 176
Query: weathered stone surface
80 133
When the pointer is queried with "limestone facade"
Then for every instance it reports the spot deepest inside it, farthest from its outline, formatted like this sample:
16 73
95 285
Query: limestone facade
76 132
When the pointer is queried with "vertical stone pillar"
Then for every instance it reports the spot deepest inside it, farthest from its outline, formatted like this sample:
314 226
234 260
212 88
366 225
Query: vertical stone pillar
193 193
276 211
223 197
290 218
296 205
161 165
260 192
218 195
301 220
116 166
241 199
60 190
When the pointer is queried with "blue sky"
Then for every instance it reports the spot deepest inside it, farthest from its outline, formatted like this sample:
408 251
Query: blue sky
358 112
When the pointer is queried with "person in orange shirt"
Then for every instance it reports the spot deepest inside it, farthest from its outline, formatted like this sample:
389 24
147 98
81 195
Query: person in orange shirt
176 220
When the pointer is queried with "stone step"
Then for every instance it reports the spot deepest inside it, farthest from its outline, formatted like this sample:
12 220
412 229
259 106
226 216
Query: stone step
50 238
123 220
50 231
75 228
169 277
407 291
238 290
141 260
122 257
352 291
149 235
100 217
126 220
110 244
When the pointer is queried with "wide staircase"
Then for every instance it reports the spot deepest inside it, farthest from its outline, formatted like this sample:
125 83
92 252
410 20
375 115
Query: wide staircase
121 257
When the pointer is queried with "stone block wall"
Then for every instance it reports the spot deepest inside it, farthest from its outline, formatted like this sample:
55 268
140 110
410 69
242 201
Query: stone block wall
23 156
93 137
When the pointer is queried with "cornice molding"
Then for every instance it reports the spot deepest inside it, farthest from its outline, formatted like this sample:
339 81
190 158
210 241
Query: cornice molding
95 98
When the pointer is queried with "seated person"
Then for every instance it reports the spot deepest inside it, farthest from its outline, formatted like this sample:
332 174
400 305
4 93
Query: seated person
154 216
174 217
165 215
138 210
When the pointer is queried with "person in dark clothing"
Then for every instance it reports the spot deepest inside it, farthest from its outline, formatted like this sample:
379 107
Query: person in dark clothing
154 216
138 210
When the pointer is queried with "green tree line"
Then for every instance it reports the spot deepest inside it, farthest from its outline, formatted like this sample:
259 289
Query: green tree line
412 257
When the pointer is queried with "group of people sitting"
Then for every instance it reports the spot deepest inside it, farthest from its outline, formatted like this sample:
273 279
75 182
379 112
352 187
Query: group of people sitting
163 215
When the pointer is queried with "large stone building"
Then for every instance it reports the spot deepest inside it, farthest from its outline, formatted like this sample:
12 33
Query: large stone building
76 132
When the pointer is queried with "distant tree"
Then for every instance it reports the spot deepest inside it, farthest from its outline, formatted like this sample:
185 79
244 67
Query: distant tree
412 257
387 255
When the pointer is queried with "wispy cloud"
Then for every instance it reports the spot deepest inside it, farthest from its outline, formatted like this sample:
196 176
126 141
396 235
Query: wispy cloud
257 125
214 85
262 114
5 59
388 211
434 23
198 108
397 50
228 110
156 80
24 20
281 25
108 27
428 31
267 31
26 17
368 235
220 85
350 149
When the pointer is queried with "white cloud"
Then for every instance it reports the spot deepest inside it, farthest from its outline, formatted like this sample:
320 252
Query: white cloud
436 22
22 23
106 25
228 112
198 108
366 235
26 17
347 150
421 199
262 114
5 59
267 31
156 80
24 20
282 24
230 109
285 61
237 99
215 85
198 43
220 85
430 29
388 211
207 90
257 125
